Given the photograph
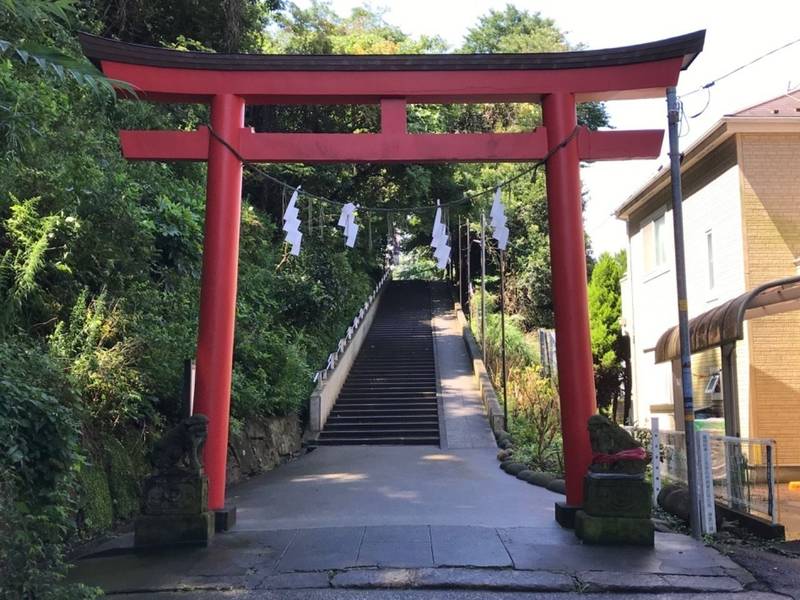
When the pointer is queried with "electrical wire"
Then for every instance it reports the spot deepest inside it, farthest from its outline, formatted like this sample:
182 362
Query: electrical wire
708 101
256 168
713 82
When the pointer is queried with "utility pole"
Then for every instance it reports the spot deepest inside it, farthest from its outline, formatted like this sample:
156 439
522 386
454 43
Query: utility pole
483 286
503 335
468 312
673 118
460 267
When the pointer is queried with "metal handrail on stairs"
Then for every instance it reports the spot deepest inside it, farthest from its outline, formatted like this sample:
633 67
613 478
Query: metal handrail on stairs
316 402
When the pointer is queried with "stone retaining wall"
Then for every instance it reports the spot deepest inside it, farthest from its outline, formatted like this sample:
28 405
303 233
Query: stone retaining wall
262 445
488 395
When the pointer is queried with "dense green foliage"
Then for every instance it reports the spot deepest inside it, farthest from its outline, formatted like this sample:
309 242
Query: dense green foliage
100 258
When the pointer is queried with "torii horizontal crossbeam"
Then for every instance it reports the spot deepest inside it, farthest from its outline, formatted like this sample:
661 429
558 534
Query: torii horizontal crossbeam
318 148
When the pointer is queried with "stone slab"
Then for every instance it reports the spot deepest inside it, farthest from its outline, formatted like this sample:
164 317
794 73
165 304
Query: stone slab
396 546
468 546
322 548
541 549
241 552
242 558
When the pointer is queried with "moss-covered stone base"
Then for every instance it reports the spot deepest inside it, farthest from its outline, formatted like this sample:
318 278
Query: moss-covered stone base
616 531
168 530
616 496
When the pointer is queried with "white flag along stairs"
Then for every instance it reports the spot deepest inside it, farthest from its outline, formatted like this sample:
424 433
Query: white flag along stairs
389 396
440 237
439 240
498 220
291 224
348 222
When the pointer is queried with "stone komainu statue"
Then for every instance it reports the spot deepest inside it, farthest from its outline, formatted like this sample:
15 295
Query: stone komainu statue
178 450
614 449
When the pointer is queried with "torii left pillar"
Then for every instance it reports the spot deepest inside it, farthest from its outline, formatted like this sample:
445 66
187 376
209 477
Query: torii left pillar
218 290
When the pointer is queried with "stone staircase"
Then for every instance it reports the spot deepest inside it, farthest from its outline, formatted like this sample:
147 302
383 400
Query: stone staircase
390 394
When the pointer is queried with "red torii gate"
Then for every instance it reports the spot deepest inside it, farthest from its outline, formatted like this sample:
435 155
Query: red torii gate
555 80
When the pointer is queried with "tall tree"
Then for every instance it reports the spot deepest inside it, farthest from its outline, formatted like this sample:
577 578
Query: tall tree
221 25
516 30
605 312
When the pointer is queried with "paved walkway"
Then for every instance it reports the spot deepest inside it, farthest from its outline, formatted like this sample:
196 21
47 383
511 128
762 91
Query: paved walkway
342 520
465 424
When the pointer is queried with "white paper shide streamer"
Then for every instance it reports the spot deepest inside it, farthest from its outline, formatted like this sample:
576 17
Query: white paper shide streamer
291 224
439 240
347 220
498 222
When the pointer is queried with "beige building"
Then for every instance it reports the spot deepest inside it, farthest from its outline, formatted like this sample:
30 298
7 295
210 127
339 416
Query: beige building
741 186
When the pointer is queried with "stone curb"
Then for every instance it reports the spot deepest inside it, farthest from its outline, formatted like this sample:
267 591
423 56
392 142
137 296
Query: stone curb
610 581
294 581
532 581
454 578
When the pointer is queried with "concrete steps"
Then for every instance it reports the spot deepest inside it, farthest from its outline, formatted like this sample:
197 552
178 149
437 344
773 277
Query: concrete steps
390 394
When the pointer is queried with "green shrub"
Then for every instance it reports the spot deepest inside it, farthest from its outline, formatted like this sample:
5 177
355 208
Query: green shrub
95 509
98 357
39 460
535 422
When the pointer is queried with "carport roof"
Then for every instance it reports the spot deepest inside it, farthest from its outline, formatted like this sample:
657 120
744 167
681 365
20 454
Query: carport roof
724 324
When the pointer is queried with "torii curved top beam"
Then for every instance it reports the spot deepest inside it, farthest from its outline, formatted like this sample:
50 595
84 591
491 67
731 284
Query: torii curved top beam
638 71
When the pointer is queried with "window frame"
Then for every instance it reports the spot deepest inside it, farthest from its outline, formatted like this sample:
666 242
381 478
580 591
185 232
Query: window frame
656 268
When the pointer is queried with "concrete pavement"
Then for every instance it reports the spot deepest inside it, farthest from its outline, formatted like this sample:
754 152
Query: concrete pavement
409 522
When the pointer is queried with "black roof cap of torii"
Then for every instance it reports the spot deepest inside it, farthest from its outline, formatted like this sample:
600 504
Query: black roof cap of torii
99 49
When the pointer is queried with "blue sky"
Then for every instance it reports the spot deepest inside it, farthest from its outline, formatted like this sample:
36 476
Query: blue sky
736 33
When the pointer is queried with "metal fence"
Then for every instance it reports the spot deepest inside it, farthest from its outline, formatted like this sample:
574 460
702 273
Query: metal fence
743 474
738 473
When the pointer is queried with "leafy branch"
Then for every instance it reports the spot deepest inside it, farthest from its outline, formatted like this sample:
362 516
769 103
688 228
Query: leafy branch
35 14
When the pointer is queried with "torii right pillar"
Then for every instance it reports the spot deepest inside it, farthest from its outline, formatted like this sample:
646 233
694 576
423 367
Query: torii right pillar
570 296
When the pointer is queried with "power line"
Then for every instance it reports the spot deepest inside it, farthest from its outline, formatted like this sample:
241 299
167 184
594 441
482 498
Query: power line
713 82
256 168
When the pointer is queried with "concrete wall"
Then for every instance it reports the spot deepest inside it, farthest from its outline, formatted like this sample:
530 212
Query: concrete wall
770 182
324 395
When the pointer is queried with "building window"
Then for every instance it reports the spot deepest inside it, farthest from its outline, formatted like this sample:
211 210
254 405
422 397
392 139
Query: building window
710 258
655 243
712 385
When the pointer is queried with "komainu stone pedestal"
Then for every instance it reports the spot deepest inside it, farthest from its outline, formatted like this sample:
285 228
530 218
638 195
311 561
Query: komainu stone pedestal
175 504
614 531
616 510
175 511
